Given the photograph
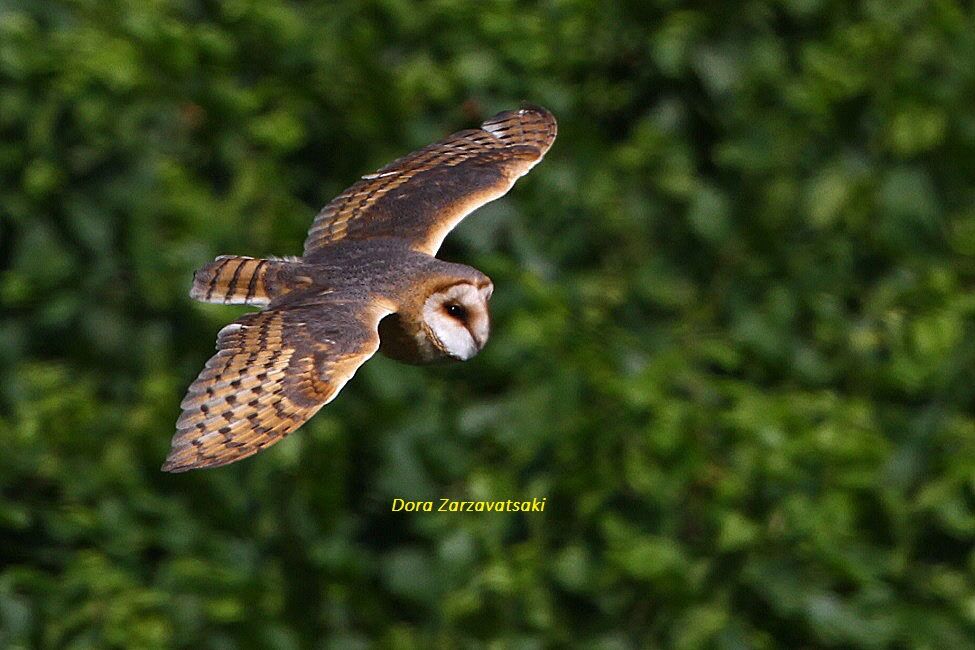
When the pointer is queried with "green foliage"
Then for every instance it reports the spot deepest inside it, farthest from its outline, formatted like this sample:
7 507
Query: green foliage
733 346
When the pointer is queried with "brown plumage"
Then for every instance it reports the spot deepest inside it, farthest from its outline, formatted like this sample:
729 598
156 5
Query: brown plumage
235 279
420 197
368 281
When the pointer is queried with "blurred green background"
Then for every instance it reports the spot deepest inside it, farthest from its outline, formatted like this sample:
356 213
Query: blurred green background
733 345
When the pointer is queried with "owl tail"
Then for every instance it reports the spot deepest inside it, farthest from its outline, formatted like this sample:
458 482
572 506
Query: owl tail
238 280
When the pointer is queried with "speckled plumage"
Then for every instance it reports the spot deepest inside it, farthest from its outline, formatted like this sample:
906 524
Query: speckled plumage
368 281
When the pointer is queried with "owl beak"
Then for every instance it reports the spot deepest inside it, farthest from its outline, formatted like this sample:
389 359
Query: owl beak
478 341
479 334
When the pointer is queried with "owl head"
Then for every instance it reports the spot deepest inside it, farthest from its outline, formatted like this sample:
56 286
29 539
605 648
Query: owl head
456 322
447 321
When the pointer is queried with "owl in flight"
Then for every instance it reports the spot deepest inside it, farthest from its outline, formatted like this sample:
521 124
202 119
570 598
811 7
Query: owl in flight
368 280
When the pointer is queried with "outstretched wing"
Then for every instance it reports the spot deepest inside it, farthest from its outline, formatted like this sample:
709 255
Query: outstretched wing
273 370
422 196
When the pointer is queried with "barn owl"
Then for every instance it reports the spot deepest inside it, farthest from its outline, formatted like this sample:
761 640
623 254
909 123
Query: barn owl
368 280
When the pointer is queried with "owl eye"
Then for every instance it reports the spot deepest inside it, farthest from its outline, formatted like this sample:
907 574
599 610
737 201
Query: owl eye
457 311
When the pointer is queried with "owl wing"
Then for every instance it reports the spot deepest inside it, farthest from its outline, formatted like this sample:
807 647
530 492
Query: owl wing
422 196
273 370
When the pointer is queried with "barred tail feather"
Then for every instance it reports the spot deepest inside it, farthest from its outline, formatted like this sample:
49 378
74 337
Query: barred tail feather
237 280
